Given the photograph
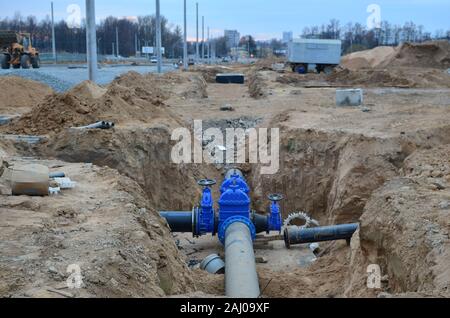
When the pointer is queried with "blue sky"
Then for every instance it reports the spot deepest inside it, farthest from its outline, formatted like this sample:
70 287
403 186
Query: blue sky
264 19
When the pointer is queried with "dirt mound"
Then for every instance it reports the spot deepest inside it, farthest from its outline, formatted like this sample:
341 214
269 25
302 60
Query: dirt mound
89 90
130 98
405 228
296 79
369 58
433 54
267 63
105 226
391 77
256 85
19 95
197 88
154 85
140 153
209 72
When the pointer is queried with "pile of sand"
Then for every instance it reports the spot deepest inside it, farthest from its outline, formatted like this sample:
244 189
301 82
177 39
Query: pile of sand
433 54
106 225
391 77
129 98
405 227
196 88
256 85
150 85
369 58
19 95
266 64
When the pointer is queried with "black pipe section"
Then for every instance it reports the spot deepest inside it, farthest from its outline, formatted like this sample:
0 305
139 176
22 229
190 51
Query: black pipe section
182 221
179 222
261 222
295 235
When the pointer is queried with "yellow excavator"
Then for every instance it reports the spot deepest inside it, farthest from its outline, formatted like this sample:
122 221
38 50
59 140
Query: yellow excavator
17 50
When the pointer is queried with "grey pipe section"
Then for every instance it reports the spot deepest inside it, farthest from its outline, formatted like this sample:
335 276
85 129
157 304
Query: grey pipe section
53 175
179 222
295 235
241 279
98 125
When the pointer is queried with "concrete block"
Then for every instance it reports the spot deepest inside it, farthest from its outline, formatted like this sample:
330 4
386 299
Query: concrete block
349 97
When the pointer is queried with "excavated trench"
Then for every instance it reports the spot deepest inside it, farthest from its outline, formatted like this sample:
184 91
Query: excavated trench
336 176
330 175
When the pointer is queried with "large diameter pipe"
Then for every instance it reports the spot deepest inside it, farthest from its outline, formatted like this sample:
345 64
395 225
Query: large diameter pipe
296 235
241 279
179 222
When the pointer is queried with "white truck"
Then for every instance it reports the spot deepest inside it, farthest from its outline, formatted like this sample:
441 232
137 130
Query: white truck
324 54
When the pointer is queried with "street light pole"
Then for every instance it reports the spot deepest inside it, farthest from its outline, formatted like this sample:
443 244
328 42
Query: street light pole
53 36
117 41
203 38
208 46
158 36
185 52
136 44
196 43
91 40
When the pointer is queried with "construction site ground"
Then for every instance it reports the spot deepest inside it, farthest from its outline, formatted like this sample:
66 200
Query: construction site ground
385 165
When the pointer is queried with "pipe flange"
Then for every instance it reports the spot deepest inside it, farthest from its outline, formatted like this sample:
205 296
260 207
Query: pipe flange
232 220
195 232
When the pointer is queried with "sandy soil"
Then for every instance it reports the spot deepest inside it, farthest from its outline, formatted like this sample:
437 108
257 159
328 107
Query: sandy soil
384 164
105 225
19 95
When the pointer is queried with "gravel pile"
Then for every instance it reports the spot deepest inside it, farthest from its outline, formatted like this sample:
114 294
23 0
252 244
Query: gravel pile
57 84
62 78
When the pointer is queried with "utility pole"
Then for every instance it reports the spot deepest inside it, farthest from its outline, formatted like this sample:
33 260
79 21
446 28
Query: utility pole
158 37
117 41
136 44
197 53
91 40
113 49
185 52
208 46
53 36
203 38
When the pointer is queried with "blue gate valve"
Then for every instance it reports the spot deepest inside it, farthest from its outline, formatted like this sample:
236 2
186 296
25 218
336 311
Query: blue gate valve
205 215
275 222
